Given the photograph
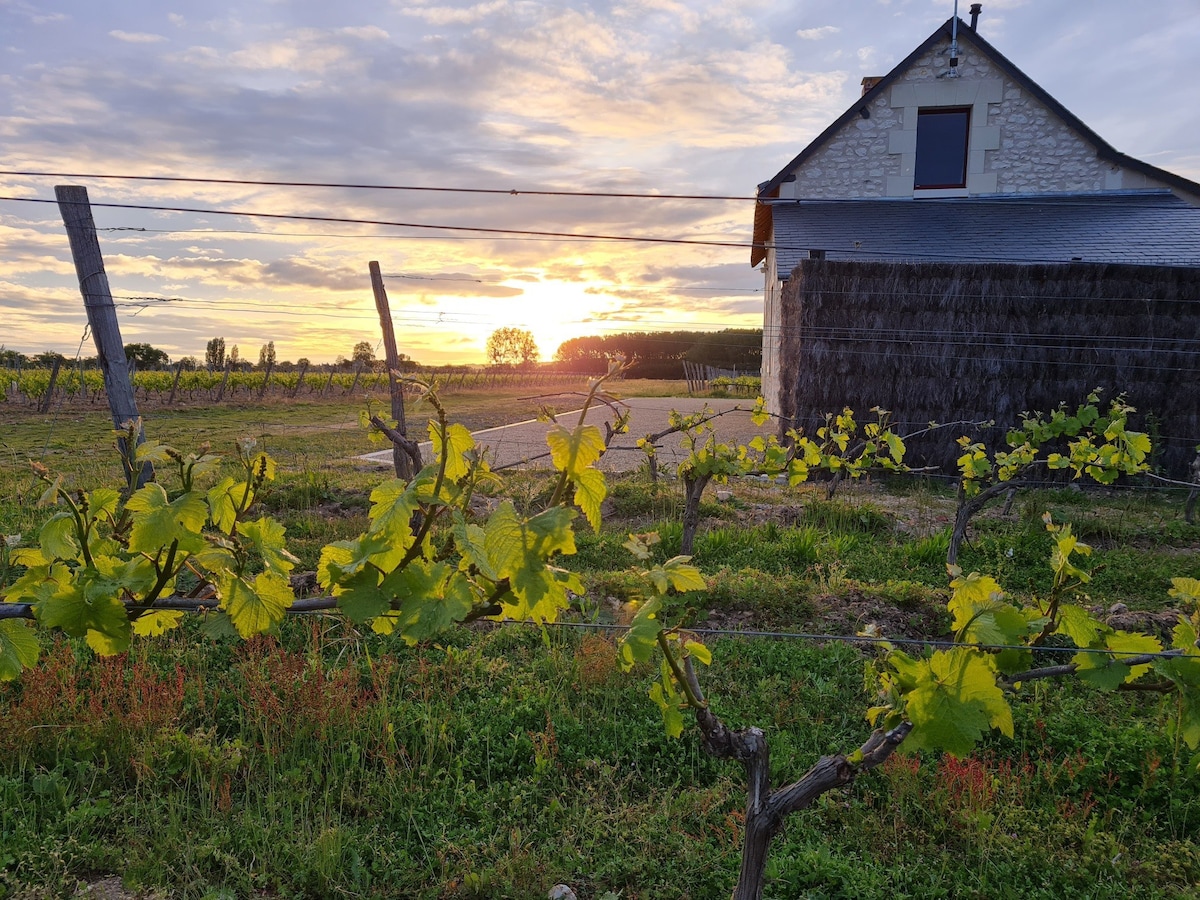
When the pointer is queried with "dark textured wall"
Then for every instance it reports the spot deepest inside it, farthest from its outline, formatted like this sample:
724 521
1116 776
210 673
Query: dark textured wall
940 342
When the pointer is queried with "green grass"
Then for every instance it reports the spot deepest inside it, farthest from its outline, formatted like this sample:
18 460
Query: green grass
500 764
331 762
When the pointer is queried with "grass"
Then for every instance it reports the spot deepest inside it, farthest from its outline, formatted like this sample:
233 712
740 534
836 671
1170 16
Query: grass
331 762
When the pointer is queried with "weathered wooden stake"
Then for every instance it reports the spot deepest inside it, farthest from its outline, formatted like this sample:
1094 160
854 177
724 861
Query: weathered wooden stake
401 460
175 384
224 380
300 379
266 380
76 213
48 397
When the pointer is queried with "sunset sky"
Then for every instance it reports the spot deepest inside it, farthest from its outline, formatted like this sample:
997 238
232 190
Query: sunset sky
621 97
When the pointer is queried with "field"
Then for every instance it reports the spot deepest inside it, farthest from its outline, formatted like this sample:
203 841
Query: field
500 761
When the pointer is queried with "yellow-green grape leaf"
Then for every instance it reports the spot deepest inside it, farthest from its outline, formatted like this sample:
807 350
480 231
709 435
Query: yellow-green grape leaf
575 450
459 443
337 561
641 640
392 506
981 615
698 652
255 607
1104 670
89 607
956 703
682 575
266 536
433 597
157 623
895 445
221 507
1184 671
158 521
103 502
520 551
671 705
360 596
590 491
471 541
58 538
1079 625
18 648
1185 589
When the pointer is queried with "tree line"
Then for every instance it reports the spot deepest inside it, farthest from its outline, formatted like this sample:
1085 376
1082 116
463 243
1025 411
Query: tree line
661 354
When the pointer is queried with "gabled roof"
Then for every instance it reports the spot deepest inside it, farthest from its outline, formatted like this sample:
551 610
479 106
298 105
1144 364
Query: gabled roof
1103 149
1131 228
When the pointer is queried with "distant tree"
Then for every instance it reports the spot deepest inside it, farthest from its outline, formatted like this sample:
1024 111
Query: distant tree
266 355
580 349
214 354
304 361
363 353
147 357
189 363
512 346
11 358
47 359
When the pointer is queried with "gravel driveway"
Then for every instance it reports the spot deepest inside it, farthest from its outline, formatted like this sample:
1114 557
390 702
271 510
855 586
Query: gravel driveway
524 443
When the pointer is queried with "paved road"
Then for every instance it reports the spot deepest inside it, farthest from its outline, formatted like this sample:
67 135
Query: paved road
524 443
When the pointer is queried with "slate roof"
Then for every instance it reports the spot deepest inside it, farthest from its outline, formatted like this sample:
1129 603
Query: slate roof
1151 228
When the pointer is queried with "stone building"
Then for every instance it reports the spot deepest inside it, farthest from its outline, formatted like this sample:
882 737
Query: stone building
986 248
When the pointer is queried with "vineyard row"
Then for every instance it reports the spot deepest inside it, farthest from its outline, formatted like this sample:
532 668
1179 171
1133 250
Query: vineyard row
40 388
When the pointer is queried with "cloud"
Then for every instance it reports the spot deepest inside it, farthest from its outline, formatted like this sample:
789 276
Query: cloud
137 37
816 34
455 15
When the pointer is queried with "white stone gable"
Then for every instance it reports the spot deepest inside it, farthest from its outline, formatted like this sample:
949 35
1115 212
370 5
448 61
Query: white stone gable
1016 144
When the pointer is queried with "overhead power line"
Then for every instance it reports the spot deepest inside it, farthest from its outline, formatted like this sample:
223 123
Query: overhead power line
512 192
345 220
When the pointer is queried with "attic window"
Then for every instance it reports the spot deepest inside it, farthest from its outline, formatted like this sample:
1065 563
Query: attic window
942 148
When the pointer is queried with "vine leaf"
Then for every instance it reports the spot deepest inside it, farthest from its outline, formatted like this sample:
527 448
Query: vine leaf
574 451
981 614
1079 625
267 537
158 521
258 606
590 491
670 703
433 596
641 640
458 444
18 648
1108 672
88 606
519 550
58 538
157 623
955 701
360 597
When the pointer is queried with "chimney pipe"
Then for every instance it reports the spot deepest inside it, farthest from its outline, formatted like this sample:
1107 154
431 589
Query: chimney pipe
976 8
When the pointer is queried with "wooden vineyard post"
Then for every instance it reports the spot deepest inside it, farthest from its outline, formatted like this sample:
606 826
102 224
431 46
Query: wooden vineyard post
76 213
300 379
175 383
266 380
44 406
224 380
401 460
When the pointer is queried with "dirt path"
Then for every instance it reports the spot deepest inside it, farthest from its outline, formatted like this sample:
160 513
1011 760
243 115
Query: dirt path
524 443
